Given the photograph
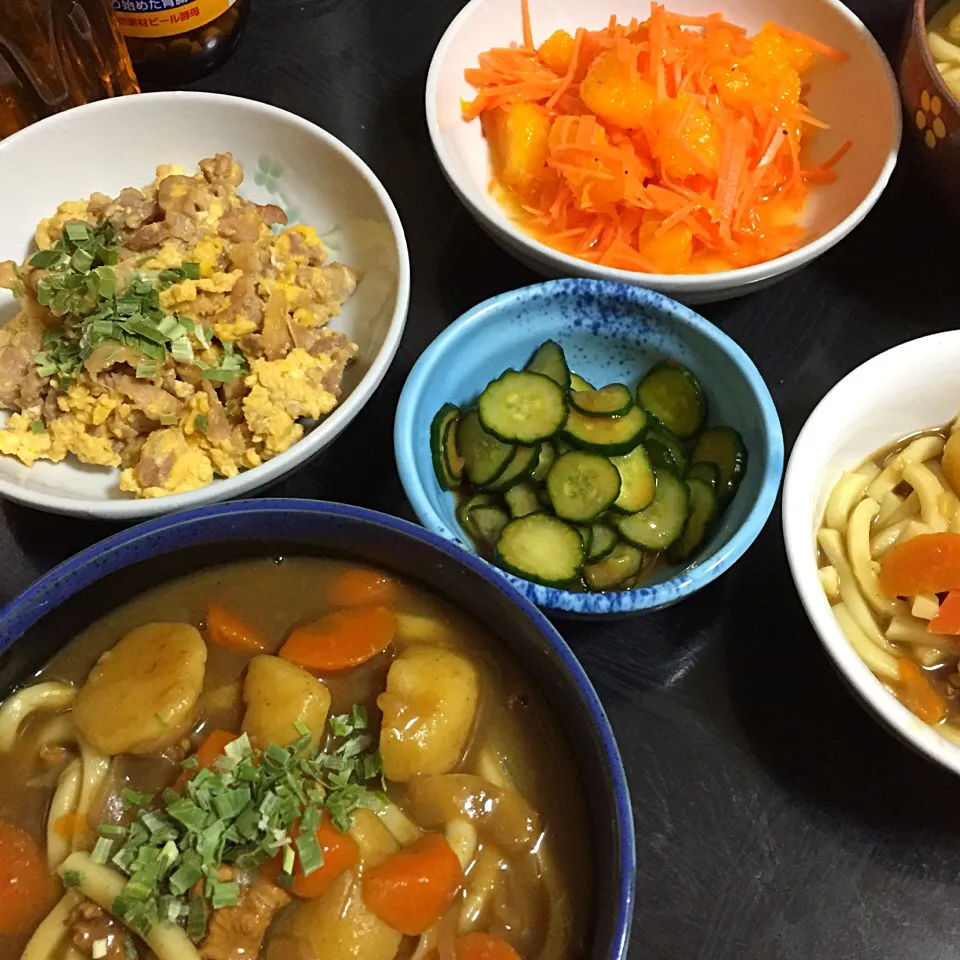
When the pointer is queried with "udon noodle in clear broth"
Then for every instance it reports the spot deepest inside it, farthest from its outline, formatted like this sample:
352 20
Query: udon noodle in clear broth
943 35
889 559
302 759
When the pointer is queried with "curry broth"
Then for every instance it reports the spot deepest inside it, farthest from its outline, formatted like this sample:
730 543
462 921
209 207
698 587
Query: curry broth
275 595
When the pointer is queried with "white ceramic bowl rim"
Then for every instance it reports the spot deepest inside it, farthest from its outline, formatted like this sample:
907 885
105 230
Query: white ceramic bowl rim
642 597
742 276
325 432
798 535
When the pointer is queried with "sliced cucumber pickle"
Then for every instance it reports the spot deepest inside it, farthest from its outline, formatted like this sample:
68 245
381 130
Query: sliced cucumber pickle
485 457
614 400
703 508
578 383
541 548
623 562
638 482
662 522
521 499
486 522
672 443
722 447
674 396
476 500
549 360
548 453
708 472
612 436
522 407
447 462
602 541
582 486
520 466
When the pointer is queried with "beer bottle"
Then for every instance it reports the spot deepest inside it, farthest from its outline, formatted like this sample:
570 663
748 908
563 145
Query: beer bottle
172 41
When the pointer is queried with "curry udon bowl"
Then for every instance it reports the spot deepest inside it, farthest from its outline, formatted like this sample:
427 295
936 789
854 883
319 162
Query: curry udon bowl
538 730
901 392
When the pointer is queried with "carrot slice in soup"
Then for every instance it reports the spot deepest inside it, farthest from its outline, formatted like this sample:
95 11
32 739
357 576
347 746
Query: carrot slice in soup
342 639
929 563
479 946
227 630
25 885
918 695
947 621
340 852
208 753
360 587
412 889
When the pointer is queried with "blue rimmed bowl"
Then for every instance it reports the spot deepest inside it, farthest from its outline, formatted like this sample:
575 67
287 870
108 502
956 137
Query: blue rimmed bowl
609 332
79 591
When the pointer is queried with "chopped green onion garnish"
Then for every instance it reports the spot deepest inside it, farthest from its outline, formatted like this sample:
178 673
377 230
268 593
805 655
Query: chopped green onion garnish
37 426
135 798
197 920
72 878
77 231
200 422
225 895
191 270
101 850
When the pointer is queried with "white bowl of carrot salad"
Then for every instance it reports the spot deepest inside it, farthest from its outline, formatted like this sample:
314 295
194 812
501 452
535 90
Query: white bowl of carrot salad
704 148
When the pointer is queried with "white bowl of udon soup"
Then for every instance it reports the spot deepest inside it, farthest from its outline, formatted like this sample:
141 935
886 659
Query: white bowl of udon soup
870 519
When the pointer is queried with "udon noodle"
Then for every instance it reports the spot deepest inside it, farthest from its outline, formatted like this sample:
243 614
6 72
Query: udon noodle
899 494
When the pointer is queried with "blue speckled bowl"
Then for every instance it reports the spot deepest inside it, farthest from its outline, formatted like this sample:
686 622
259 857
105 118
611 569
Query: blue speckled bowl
609 332
71 596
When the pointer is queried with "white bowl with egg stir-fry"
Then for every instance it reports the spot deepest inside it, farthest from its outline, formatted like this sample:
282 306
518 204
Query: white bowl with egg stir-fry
871 520
194 311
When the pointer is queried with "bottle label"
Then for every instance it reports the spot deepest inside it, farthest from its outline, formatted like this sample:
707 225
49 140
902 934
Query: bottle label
166 18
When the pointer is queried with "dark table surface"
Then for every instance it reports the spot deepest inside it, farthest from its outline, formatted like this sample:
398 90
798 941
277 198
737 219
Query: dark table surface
774 818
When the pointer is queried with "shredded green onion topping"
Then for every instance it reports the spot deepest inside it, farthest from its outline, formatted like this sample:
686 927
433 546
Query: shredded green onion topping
240 812
80 287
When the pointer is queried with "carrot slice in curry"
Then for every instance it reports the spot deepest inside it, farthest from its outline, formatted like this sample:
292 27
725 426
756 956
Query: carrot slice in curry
479 946
25 885
360 587
340 852
411 890
208 753
227 630
342 639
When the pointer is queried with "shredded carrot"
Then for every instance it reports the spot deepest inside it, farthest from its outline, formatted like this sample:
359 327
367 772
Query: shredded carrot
635 131
527 31
815 45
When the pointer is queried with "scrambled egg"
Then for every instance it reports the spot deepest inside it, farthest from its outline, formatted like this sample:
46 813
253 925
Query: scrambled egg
283 391
233 354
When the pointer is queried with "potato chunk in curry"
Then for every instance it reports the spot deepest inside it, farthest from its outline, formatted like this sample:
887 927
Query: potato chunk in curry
278 695
141 696
428 711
